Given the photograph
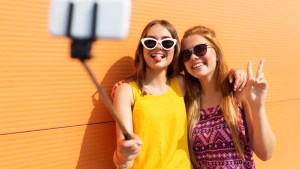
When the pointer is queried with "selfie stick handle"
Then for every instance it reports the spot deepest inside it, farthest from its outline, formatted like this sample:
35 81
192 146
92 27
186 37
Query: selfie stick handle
107 102
80 48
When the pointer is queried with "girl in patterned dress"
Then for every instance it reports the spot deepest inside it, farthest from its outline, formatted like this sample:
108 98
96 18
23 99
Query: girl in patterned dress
224 127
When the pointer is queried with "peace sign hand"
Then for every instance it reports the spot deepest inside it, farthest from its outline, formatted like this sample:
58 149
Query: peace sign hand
257 87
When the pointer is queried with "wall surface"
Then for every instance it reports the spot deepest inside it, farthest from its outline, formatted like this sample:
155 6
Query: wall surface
52 117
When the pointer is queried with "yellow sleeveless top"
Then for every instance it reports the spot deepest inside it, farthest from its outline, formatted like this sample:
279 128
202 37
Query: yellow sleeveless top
161 123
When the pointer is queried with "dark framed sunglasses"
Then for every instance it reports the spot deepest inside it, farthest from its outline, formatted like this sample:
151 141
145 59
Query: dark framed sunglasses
198 50
151 43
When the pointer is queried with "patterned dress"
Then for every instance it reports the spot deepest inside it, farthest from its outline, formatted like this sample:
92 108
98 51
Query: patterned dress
213 144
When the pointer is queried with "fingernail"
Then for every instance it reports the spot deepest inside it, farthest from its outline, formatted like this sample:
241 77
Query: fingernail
140 142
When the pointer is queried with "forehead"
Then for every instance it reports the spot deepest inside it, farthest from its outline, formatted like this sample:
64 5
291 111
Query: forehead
193 40
158 31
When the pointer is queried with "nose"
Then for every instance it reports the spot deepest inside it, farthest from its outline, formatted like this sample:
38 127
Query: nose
194 57
159 46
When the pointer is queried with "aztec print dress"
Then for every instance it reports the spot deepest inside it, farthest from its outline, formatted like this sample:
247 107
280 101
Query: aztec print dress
213 145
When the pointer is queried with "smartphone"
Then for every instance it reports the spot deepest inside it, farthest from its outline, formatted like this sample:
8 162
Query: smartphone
112 18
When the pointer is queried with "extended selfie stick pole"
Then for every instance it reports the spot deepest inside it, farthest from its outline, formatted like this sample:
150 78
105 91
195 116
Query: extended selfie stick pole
80 49
107 102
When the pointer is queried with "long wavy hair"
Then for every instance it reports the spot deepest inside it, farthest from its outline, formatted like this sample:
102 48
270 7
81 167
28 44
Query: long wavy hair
193 93
139 62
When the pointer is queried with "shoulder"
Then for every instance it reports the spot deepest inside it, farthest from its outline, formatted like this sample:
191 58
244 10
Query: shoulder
124 88
124 92
180 77
181 82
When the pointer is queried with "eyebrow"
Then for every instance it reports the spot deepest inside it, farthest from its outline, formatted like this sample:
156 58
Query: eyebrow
164 37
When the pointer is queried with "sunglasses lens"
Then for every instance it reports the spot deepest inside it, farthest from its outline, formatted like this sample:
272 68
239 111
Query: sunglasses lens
186 55
167 44
150 43
200 50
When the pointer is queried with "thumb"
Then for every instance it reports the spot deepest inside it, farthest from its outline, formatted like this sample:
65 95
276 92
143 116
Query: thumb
137 139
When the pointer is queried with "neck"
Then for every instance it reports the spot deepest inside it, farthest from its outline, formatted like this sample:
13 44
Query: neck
155 77
156 82
210 94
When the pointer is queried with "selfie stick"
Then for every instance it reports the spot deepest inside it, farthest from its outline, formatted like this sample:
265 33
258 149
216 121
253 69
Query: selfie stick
80 49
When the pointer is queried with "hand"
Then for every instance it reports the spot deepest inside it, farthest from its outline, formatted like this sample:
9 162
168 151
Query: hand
113 89
239 78
128 150
257 87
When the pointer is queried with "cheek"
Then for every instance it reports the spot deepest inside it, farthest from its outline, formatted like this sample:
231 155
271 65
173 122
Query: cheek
212 54
145 51
171 52
170 56
185 64
187 67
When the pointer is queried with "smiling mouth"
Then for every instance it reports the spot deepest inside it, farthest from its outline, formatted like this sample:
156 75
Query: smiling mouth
158 56
197 65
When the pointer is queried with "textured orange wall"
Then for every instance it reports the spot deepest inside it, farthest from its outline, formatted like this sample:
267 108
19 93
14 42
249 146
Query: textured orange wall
50 116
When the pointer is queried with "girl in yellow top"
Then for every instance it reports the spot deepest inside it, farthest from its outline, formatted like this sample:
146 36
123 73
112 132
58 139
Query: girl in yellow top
152 106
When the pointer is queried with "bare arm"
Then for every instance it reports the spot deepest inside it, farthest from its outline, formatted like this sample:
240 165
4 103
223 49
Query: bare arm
261 135
181 82
126 150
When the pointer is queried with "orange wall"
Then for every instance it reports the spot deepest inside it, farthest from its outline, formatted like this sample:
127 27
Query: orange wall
50 116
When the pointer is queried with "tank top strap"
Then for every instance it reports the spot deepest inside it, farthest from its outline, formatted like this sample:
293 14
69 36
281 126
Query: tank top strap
135 90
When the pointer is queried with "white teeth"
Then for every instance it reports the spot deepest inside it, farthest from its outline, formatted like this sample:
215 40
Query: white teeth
157 55
160 55
197 65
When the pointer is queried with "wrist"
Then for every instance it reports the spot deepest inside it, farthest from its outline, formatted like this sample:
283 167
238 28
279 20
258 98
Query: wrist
257 107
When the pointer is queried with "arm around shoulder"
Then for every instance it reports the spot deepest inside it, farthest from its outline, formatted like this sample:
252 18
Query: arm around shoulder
181 82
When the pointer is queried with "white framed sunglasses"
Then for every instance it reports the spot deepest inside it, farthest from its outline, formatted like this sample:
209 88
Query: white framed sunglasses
151 43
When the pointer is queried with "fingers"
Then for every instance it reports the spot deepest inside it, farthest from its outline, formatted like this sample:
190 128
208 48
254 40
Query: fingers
233 75
134 143
130 146
259 72
260 76
260 68
249 70
230 78
115 86
259 80
137 139
244 82
236 84
239 78
112 93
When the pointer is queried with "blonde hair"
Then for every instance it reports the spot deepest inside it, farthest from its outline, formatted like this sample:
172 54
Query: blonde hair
193 93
